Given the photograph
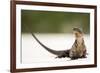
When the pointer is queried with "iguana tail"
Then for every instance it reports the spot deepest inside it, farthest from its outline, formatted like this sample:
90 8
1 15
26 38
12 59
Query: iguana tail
45 47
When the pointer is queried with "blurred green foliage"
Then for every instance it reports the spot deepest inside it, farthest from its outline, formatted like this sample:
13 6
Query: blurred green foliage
54 22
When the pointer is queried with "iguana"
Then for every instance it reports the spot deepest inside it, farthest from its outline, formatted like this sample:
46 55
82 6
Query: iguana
78 49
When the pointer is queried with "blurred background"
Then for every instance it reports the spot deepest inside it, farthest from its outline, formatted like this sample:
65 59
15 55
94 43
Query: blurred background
53 29
54 22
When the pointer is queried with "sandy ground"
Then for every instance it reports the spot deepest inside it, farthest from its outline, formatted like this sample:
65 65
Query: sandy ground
32 52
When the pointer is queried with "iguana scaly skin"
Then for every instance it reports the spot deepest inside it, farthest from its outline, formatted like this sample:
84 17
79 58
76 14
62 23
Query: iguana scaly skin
78 49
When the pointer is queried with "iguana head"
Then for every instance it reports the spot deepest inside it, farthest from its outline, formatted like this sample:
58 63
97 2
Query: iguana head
78 32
